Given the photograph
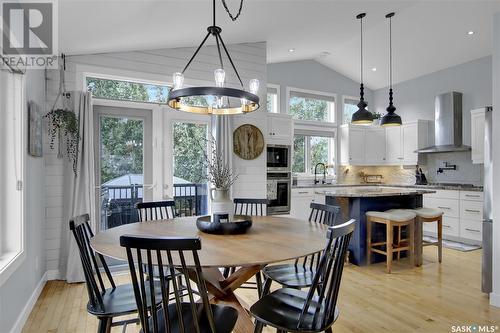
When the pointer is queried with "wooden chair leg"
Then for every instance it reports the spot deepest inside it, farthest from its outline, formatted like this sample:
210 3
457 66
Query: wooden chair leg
399 241
440 238
412 243
389 249
368 241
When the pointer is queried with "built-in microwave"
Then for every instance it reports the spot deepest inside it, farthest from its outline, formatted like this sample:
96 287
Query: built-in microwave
279 158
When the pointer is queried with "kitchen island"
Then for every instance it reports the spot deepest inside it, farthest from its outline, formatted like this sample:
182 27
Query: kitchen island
356 201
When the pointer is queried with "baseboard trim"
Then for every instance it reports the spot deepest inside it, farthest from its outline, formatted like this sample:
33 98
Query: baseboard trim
23 317
495 299
53 274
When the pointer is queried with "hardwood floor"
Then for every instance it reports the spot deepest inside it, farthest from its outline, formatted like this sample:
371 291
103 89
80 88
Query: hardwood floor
431 298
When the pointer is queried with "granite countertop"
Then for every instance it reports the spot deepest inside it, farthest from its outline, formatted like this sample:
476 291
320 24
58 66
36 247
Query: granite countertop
371 191
443 186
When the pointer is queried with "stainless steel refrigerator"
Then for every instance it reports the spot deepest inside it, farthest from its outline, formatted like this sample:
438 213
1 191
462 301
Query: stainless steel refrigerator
486 284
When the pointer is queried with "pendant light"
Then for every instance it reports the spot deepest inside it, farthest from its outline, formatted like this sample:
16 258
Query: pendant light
362 116
390 118
217 99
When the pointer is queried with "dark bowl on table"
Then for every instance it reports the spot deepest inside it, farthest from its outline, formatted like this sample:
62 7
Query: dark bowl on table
211 224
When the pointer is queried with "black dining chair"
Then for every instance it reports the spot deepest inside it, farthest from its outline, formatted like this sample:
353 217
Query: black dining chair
156 210
195 315
292 310
255 207
104 303
300 274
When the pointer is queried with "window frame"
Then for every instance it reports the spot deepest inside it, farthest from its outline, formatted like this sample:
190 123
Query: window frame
278 97
10 261
332 154
341 112
333 112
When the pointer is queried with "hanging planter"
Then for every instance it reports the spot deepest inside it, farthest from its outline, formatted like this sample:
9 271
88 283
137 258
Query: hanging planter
63 123
63 127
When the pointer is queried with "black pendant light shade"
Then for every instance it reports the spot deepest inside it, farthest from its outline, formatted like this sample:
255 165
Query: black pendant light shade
390 118
218 99
362 116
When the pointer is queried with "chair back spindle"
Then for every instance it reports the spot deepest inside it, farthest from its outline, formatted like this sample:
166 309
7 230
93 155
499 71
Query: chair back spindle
323 294
177 256
255 207
82 233
155 210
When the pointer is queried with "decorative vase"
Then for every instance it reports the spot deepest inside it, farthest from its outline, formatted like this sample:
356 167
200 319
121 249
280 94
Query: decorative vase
221 202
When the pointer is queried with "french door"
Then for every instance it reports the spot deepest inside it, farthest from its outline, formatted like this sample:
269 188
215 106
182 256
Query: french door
123 163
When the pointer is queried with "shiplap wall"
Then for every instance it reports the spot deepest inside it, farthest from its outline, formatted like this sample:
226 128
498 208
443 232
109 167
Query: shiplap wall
156 66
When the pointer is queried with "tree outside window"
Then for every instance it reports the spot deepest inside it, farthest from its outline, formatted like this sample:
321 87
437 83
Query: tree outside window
128 91
310 150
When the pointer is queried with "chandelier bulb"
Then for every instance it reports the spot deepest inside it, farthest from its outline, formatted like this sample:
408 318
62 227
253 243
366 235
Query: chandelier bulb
254 86
220 77
178 80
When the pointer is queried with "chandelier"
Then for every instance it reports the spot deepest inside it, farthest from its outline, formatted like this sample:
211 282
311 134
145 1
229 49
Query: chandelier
217 99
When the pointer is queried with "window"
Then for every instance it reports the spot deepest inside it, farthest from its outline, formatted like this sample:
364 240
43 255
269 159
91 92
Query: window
304 105
12 109
273 98
127 90
310 150
350 106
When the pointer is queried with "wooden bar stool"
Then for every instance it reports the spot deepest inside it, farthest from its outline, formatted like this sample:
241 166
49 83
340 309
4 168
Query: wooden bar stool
425 215
428 215
391 220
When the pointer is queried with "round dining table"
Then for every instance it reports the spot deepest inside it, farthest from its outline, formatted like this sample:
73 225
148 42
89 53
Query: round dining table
271 239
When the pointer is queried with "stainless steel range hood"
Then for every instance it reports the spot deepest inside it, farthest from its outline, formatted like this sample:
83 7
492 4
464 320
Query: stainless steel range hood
448 124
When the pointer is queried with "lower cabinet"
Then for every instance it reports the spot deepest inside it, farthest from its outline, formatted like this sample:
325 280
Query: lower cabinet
300 203
463 214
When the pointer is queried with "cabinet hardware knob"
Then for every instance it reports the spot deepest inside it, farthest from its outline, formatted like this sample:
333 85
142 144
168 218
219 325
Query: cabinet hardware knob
472 211
446 226
472 230
441 207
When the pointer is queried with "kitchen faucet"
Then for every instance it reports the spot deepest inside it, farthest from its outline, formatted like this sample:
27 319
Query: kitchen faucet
323 181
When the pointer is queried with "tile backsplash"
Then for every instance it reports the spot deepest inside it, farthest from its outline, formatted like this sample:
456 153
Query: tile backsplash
466 173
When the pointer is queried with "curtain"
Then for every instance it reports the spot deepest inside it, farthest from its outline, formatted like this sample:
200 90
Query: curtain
222 131
79 188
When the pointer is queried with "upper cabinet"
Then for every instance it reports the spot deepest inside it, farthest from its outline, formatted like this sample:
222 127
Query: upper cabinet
395 145
279 129
477 118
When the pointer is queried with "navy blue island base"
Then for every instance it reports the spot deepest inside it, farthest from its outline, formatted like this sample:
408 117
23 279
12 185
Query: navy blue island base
354 207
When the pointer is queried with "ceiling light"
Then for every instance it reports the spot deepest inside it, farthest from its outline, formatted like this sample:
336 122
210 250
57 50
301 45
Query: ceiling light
362 116
390 118
291 50
374 69
470 33
217 99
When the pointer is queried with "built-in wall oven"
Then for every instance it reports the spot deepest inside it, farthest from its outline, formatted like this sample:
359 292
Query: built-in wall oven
279 158
279 187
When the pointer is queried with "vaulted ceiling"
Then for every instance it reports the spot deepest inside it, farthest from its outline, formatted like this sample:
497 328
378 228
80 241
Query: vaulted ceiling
428 35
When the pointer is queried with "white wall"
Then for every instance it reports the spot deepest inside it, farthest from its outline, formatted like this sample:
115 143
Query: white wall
495 295
311 75
414 99
158 66
18 290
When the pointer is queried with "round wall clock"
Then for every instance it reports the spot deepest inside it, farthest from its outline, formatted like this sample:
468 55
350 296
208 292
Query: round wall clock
248 142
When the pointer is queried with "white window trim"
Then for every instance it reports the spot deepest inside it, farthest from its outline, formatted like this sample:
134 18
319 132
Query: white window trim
334 112
332 148
11 261
278 97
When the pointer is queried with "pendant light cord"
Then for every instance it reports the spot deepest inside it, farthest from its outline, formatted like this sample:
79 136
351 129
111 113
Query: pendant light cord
361 50
235 17
390 52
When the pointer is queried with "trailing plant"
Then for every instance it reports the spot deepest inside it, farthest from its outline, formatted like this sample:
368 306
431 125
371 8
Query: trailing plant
376 115
64 126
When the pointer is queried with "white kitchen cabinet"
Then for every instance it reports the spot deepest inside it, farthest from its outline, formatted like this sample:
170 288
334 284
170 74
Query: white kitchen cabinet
300 203
403 141
375 145
477 118
279 129
463 214
394 147
352 145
